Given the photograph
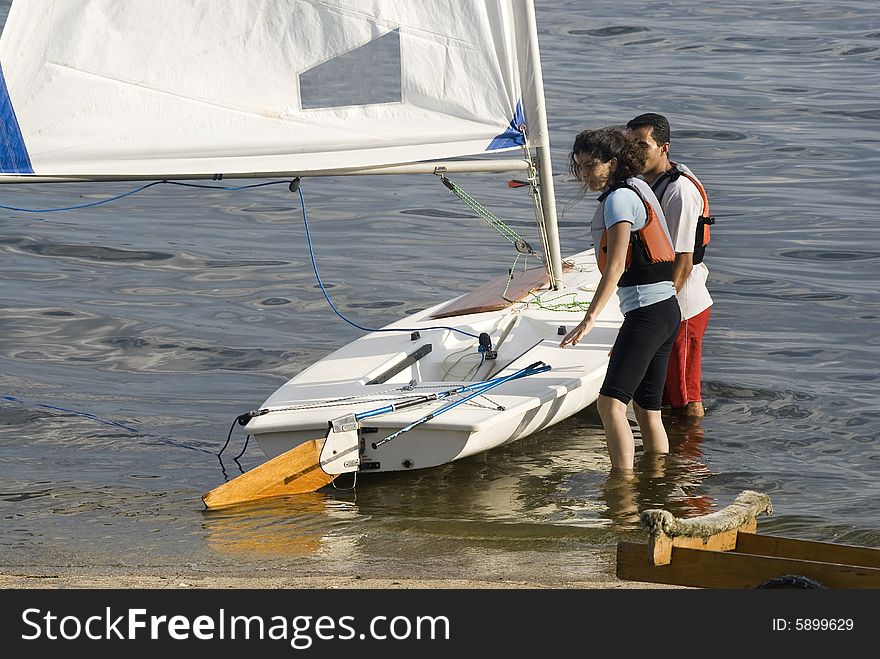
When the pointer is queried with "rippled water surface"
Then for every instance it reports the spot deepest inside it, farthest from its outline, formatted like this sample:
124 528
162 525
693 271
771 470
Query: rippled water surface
132 334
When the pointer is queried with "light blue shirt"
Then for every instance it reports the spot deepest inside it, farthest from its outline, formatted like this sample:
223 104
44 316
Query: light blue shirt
624 205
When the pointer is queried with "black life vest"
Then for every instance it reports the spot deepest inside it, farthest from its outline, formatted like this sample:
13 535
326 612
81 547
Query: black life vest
701 238
649 254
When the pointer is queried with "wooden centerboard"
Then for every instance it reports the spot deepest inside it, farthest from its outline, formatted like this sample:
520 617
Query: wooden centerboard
498 293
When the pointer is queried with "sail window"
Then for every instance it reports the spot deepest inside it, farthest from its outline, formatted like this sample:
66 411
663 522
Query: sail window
366 75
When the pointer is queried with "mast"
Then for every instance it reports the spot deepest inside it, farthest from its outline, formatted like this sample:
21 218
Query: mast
538 131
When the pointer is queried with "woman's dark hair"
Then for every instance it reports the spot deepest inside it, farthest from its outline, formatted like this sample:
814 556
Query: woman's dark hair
605 144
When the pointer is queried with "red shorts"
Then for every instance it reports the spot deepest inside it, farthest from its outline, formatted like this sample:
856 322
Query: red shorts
685 371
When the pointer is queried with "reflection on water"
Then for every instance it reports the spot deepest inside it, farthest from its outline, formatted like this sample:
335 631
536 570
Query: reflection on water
285 527
549 491
670 481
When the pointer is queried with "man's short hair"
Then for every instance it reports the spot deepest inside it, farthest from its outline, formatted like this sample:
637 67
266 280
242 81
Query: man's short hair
658 123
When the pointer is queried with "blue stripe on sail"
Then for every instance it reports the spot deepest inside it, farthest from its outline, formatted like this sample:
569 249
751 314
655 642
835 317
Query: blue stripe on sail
14 157
513 136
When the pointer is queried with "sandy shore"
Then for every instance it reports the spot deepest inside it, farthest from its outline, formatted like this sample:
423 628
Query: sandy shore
12 579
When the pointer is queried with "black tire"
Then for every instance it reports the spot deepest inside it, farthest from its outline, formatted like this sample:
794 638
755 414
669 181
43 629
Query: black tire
792 581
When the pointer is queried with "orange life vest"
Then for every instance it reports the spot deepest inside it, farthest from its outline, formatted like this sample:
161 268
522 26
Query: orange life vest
701 239
649 254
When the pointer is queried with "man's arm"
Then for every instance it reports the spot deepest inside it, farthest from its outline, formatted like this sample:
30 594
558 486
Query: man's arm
682 207
681 269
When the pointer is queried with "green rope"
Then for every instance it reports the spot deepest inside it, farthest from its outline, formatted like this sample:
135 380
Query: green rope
496 223
510 279
551 304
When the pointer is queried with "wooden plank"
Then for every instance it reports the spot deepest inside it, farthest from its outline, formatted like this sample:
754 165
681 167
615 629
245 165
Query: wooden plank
491 296
770 545
725 569
661 544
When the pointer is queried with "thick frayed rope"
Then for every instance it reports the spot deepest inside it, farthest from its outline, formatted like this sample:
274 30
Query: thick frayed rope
748 504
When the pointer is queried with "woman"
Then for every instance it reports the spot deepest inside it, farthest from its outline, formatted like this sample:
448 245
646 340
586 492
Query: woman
635 256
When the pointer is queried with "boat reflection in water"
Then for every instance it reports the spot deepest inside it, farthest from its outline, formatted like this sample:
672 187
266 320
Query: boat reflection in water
281 527
551 492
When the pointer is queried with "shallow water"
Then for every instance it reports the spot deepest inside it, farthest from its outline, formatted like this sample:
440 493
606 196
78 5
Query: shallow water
132 334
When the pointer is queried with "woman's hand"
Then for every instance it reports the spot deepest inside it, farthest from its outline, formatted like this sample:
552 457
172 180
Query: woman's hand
580 330
618 240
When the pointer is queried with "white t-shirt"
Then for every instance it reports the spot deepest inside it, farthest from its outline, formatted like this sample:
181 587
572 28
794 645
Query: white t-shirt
682 205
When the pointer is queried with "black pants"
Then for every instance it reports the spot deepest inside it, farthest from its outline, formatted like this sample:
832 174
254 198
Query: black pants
637 368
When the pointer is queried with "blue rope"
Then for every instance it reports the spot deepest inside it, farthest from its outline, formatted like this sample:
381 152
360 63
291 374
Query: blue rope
133 192
333 306
236 188
132 430
107 422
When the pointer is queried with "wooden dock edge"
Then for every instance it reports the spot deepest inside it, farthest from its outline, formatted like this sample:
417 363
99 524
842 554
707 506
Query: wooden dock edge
724 550
700 568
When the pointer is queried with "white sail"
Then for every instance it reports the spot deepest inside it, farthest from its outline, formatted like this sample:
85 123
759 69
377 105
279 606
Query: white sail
170 88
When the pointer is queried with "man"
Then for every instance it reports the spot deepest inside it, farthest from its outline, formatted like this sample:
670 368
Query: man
686 207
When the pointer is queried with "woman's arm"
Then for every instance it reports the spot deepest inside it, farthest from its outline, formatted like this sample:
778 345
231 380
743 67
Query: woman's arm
618 241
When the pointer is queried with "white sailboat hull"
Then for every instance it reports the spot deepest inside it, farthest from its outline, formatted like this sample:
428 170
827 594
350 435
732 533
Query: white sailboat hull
523 333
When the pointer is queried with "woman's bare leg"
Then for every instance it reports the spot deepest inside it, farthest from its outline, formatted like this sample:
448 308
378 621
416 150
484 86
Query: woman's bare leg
654 435
618 434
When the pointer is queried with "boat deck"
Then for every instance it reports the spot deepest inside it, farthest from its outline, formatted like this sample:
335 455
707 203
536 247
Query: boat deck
427 355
